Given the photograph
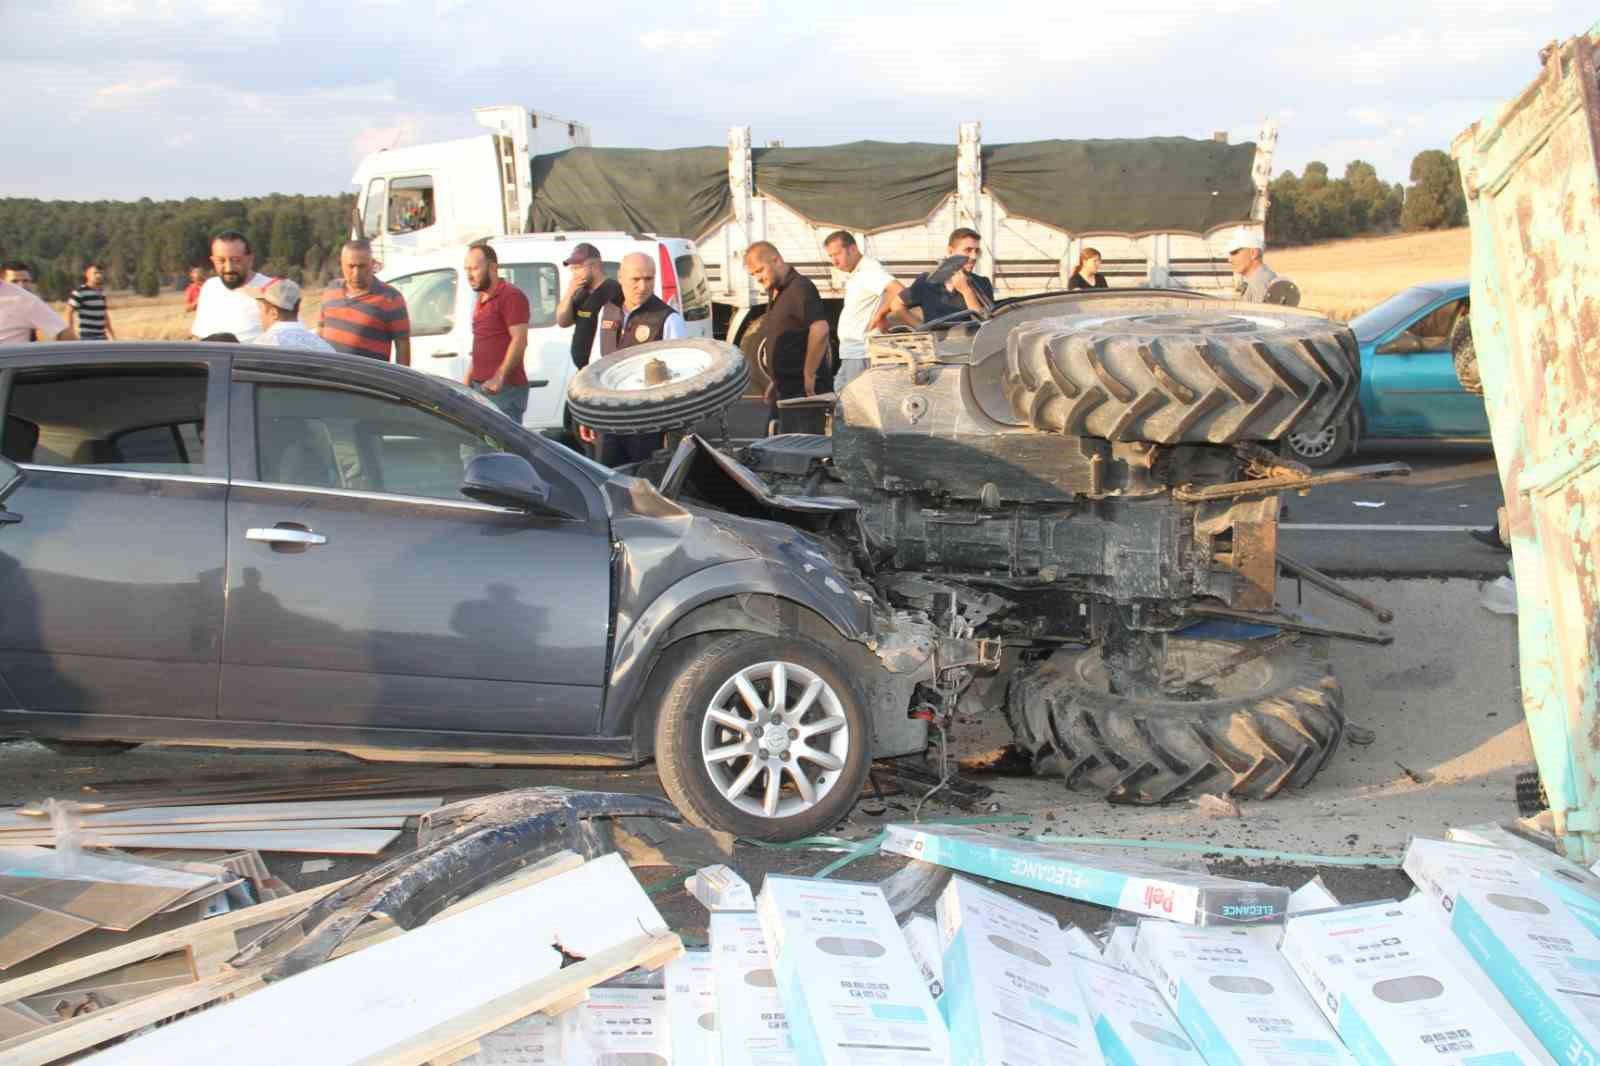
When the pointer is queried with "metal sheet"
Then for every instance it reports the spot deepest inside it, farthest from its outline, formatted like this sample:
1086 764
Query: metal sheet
1532 180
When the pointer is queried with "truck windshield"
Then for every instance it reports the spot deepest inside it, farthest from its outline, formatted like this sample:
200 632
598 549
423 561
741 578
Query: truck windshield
1392 312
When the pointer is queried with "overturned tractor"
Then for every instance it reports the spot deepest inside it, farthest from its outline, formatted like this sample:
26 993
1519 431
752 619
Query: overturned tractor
1080 495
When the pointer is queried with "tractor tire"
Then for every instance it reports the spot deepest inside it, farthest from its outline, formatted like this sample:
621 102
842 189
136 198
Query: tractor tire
1239 372
1269 725
698 379
1465 354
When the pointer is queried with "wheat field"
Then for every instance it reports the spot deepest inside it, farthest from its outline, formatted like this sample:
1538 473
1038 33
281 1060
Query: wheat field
1340 278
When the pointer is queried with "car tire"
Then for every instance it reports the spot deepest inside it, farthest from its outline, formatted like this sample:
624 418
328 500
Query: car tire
1271 724
1326 447
705 715
82 748
702 379
1175 374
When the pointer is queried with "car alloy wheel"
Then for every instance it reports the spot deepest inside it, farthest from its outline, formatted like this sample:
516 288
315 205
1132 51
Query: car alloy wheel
775 739
1314 445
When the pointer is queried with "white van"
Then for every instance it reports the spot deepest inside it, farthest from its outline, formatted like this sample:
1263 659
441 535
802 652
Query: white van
441 302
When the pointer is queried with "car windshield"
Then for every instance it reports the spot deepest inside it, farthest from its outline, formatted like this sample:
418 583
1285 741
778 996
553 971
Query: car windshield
1398 308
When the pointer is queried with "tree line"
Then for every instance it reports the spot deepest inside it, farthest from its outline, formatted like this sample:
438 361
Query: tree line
149 245
1314 206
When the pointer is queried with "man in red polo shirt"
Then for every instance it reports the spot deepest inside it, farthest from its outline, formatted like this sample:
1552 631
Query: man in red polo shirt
499 335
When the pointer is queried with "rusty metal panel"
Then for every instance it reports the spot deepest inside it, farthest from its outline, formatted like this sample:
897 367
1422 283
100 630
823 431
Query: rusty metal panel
1532 177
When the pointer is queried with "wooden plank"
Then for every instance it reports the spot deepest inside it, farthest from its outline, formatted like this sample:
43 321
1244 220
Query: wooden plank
120 985
19 1020
116 835
332 809
160 944
647 951
26 929
100 903
450 1058
404 996
317 841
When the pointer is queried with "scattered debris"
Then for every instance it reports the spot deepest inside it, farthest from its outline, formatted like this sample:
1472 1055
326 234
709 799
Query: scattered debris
316 866
1417 777
1219 806
720 889
1359 735
1370 503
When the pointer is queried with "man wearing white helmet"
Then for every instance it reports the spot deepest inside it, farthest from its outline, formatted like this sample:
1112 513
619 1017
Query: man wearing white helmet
1252 277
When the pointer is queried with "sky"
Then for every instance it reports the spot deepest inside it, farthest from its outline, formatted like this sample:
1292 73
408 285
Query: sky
122 99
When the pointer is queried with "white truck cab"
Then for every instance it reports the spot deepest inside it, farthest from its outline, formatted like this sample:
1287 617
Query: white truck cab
441 303
430 196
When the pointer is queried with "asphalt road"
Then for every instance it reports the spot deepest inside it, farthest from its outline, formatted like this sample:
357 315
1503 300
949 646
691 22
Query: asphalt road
1401 527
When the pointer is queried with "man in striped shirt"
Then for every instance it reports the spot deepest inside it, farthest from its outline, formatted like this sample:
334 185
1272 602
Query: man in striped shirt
86 307
364 316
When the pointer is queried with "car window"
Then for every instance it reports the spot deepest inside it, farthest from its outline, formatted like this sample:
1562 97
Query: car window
430 301
148 419
410 204
372 210
1433 328
1398 308
692 285
541 284
339 439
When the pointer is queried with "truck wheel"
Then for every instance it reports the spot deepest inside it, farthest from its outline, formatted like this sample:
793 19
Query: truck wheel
762 737
1323 447
81 748
1248 372
658 386
1270 724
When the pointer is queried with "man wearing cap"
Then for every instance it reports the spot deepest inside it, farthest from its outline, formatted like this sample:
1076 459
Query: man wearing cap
587 293
279 302
1252 276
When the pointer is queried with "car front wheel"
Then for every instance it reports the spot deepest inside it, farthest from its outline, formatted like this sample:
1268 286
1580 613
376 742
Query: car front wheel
762 737
1323 447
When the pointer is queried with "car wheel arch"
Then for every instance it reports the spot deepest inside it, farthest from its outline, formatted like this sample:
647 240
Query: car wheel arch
764 613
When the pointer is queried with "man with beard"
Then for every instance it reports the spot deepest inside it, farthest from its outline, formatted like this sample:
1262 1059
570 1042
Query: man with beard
225 306
499 335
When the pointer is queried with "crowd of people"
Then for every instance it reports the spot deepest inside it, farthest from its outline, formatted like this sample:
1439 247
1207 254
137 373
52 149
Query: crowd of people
363 316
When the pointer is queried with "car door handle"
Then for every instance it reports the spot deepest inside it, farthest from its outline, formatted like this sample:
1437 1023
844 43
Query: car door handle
303 538
444 355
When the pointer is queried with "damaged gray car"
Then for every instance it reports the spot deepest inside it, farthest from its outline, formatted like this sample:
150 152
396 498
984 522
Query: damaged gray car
1062 518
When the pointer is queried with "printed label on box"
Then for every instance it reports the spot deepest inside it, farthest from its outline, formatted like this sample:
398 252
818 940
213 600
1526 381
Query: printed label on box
691 981
1133 1025
751 1024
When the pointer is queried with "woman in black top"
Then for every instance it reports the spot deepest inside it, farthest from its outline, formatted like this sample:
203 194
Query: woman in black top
1087 275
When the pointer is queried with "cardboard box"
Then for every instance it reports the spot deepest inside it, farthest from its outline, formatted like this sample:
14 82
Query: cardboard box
1133 885
1119 949
1541 958
531 1041
720 889
922 939
1576 886
752 1026
618 1025
691 983
851 989
1380 977
1010 994
1081 943
1236 998
1132 1024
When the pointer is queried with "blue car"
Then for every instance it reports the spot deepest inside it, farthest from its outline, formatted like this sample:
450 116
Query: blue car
1409 389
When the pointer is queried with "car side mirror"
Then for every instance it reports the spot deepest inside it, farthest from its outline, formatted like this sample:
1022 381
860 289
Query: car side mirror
505 480
1405 344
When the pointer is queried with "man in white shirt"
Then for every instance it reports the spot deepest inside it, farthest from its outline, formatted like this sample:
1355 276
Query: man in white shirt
224 305
279 303
22 313
868 290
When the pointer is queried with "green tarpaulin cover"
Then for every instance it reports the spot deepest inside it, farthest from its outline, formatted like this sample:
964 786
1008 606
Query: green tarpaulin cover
1119 186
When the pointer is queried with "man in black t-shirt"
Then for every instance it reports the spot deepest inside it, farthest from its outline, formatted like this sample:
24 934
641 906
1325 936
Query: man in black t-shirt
794 328
587 292
922 301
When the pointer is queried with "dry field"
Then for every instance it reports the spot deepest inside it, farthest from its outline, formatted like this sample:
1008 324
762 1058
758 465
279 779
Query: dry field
1345 278
1340 278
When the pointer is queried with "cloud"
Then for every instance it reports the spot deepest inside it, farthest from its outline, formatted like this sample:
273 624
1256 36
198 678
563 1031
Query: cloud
403 131
682 40
141 88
